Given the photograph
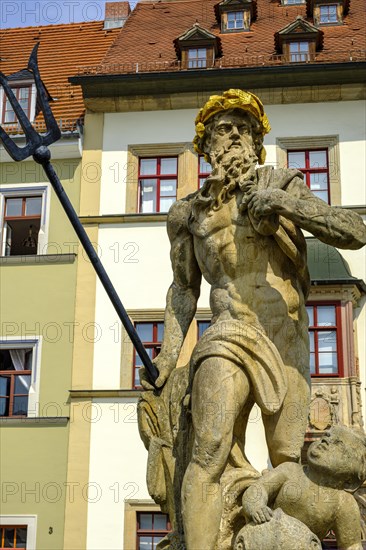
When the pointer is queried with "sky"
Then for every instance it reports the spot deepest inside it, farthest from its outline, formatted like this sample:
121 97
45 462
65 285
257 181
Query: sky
30 13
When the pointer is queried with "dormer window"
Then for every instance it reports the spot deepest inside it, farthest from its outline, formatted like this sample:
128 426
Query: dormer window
299 41
23 95
327 12
236 15
197 48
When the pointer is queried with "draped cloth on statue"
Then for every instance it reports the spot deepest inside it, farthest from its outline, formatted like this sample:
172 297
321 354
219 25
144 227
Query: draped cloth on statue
249 348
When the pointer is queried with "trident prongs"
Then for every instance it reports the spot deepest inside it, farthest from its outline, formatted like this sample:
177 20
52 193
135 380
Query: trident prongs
33 139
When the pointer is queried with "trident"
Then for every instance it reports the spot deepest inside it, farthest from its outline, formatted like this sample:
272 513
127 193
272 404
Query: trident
37 146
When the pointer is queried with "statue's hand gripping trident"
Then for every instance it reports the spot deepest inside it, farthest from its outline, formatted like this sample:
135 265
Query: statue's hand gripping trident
37 146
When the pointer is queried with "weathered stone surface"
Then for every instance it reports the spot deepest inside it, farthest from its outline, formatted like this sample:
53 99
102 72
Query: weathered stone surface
318 494
242 232
282 532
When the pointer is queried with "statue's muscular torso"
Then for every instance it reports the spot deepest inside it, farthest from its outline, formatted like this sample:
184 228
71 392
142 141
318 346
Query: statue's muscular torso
251 278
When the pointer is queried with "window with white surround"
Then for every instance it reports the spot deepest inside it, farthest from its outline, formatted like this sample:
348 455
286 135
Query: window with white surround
19 377
18 531
23 220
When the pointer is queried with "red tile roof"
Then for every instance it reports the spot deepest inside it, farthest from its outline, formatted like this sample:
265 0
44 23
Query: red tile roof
62 49
147 40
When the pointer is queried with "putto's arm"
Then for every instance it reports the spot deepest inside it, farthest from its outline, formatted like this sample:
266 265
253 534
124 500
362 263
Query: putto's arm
183 293
332 225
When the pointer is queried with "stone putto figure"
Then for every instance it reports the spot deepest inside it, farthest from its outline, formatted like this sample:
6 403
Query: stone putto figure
242 231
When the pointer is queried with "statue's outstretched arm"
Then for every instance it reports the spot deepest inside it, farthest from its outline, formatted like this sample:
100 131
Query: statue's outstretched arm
332 225
183 293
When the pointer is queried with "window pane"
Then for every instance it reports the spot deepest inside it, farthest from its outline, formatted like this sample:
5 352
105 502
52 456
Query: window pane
204 166
310 313
146 521
168 188
318 181
33 206
328 363
9 538
312 363
145 543
168 166
14 207
311 341
165 204
160 331
202 326
156 541
326 316
318 159
148 195
160 522
303 46
322 195
9 113
4 385
138 361
20 406
148 167
145 331
21 537
327 341
4 406
22 384
296 160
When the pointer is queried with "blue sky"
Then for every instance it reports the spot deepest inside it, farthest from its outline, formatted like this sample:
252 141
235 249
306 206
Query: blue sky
30 13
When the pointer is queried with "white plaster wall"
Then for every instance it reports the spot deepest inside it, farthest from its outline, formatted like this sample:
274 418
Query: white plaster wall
346 119
117 470
137 260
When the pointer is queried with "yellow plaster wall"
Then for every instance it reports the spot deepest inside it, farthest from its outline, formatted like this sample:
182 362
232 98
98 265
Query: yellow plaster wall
33 478
76 513
38 299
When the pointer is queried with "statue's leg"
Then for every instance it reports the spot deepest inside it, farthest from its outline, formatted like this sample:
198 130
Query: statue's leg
219 393
285 430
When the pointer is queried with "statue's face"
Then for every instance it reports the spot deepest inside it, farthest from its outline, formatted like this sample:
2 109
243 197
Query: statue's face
231 132
335 453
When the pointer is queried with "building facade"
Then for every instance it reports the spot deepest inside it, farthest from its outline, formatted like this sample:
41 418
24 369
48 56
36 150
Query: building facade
38 273
304 61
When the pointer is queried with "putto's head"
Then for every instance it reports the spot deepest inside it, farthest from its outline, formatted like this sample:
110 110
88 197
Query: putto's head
341 456
236 108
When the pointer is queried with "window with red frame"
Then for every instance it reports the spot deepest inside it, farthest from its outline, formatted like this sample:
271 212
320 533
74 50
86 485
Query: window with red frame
151 335
13 536
204 170
158 179
325 339
22 222
23 95
314 164
15 381
151 529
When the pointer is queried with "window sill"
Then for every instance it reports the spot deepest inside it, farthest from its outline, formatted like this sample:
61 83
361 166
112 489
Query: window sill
34 421
77 394
34 259
124 218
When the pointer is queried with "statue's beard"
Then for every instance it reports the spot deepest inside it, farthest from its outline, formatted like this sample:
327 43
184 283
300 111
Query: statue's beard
232 167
